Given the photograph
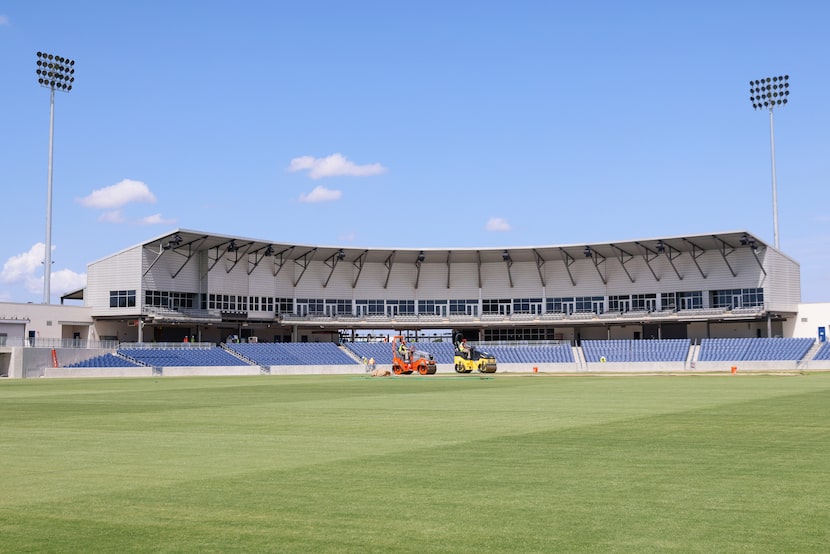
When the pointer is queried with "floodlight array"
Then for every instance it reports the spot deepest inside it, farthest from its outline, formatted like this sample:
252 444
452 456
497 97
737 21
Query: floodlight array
55 72
769 91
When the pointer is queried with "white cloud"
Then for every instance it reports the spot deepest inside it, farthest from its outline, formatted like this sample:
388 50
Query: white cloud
321 194
17 268
114 197
155 219
303 162
118 195
117 216
497 224
4 20
26 269
65 280
333 166
114 216
348 237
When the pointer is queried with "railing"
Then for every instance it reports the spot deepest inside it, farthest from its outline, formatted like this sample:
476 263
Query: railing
319 317
37 342
195 313
166 345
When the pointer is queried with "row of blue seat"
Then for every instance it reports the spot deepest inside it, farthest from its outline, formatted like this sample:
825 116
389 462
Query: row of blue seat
757 349
553 354
627 350
311 353
823 352
167 357
268 354
105 360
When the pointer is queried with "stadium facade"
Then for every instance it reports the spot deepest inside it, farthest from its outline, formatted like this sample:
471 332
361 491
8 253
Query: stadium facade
189 285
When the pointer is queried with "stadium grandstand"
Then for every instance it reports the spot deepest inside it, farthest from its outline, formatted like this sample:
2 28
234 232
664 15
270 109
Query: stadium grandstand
187 301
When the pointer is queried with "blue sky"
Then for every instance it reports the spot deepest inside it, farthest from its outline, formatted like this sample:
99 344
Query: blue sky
490 124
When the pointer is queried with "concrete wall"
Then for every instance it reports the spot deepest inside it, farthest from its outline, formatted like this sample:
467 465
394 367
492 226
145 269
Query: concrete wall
49 321
443 369
75 372
184 371
743 365
810 317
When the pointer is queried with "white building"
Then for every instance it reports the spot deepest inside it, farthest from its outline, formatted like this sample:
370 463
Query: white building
203 287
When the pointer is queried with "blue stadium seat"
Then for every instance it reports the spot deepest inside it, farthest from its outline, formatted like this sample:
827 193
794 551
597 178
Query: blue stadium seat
293 353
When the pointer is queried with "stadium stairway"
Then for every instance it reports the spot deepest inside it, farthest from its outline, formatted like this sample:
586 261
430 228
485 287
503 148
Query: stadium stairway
694 352
263 370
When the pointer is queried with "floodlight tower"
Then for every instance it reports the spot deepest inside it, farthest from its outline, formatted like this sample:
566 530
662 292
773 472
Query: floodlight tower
770 92
54 73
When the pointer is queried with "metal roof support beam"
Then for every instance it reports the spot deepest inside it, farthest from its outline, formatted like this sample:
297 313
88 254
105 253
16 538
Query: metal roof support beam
568 260
417 273
672 254
758 259
304 260
624 258
239 256
389 262
358 263
266 251
281 257
172 244
649 256
697 252
158 257
331 261
598 259
478 268
540 262
725 249
508 261
191 251
219 256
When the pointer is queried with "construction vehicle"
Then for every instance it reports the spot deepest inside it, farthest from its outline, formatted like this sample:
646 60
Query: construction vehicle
408 360
470 358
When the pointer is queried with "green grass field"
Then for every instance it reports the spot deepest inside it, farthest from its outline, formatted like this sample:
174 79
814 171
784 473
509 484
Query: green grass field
529 463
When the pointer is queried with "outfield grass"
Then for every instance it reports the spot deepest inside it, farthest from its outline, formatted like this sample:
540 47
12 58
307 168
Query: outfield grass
416 464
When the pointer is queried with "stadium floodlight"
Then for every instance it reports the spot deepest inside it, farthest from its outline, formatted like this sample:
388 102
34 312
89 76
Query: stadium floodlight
769 93
55 73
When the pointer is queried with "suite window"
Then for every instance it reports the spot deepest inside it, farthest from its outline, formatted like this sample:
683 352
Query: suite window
753 297
284 305
122 298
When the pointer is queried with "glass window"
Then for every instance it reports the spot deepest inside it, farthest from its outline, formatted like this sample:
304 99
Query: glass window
559 305
284 305
725 298
589 304
690 300
643 301
509 335
753 297
493 305
526 305
618 303
122 298
459 307
315 306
